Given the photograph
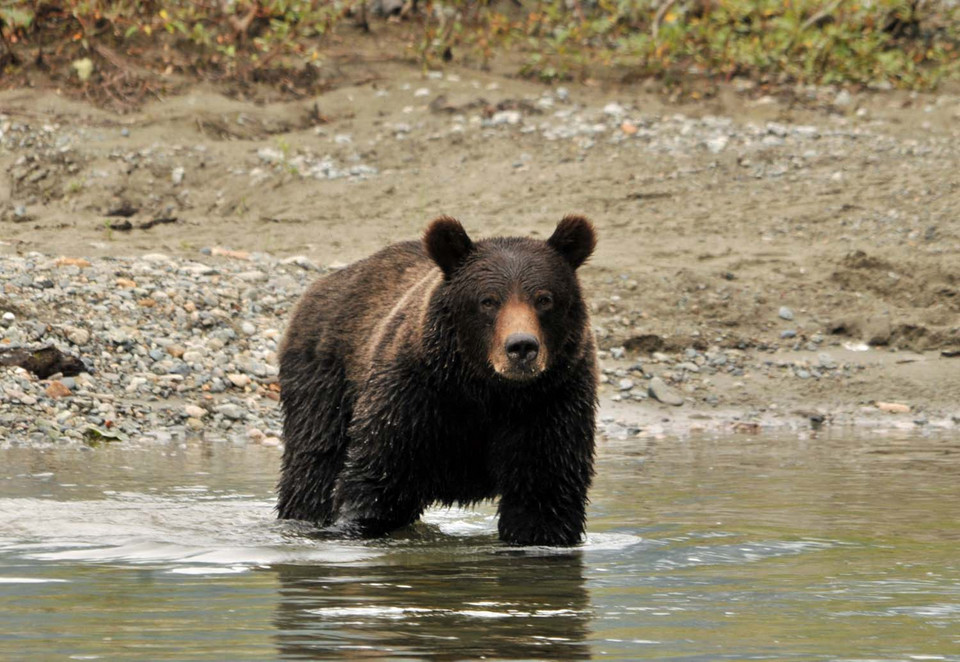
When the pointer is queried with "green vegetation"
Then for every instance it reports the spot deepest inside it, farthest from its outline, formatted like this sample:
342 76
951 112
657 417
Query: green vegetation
900 43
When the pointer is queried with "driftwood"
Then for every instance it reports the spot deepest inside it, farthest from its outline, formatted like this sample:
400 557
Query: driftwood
42 362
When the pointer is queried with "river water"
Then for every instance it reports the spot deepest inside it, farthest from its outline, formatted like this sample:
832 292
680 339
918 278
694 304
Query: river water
804 547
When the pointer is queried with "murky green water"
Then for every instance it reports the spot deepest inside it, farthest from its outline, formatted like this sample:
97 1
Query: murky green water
699 549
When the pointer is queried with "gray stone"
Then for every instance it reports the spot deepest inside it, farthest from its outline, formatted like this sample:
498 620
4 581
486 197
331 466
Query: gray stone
231 411
785 313
78 336
659 390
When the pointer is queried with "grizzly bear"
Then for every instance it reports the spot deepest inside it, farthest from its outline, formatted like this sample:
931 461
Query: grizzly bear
444 371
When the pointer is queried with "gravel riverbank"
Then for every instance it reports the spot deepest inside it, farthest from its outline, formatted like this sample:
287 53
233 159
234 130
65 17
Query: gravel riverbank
763 261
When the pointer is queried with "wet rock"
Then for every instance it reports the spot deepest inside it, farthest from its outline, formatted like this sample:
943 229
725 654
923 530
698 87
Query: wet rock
659 390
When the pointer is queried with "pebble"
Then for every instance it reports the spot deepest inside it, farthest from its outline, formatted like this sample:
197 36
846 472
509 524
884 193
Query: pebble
843 99
785 313
146 361
625 384
659 390
193 411
238 380
177 176
893 407
614 109
57 389
510 117
7 319
231 411
77 336
717 144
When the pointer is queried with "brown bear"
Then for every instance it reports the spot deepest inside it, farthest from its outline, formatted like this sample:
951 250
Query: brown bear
444 371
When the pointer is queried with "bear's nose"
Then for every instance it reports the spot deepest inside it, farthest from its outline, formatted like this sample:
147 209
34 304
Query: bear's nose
522 347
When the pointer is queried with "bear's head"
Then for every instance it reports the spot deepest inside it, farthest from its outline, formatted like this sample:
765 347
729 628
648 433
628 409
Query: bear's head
515 302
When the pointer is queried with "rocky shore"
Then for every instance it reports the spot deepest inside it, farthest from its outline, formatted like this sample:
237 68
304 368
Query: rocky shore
764 261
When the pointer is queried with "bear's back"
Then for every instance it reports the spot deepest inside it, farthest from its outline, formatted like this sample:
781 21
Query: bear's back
366 312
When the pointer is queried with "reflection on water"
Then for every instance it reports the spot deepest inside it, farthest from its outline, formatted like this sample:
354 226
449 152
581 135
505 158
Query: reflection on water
705 548
512 606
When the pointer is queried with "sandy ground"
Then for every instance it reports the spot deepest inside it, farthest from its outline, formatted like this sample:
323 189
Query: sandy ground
770 261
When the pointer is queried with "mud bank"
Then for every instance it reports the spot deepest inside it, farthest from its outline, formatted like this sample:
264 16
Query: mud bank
761 263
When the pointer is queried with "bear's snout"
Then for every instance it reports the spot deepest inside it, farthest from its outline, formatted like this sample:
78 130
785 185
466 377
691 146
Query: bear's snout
522 348
518 351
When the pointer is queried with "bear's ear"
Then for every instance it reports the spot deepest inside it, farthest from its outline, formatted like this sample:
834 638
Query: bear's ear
447 243
574 239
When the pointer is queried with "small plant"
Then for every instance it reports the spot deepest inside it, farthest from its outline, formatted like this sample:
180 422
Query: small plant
895 43
242 208
284 146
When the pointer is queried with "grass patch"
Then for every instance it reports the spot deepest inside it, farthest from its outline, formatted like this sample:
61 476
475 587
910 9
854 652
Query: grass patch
118 48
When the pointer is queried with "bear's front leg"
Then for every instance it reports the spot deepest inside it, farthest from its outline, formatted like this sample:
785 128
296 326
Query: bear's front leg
380 487
546 470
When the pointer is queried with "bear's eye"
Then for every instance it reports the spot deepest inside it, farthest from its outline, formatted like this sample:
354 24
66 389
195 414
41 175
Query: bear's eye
544 301
490 302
